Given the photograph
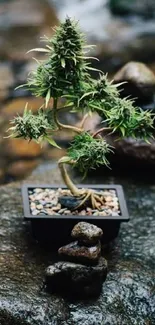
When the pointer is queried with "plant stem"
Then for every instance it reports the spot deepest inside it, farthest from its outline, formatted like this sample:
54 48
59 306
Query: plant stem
67 180
83 120
55 102
69 127
101 130
60 125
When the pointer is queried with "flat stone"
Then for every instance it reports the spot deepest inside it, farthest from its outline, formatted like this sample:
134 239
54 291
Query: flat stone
86 232
76 278
82 254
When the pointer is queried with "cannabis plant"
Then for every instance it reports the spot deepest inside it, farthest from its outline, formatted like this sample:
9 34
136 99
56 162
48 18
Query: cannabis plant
65 77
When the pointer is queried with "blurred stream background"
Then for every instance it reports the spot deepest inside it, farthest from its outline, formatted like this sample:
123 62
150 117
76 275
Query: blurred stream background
122 31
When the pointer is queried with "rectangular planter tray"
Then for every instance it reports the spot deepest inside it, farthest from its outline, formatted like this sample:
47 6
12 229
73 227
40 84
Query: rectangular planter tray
56 230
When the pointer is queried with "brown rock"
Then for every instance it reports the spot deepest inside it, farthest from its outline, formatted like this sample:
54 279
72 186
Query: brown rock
20 148
140 81
27 22
81 254
86 232
17 106
21 168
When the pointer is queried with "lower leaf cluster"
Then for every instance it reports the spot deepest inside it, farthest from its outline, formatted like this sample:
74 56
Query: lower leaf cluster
30 126
88 152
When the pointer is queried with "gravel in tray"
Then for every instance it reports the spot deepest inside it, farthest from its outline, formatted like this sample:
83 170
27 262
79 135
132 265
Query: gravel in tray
45 201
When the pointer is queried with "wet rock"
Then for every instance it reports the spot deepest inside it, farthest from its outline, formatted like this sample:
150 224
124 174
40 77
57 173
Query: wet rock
86 233
140 81
133 7
127 295
69 202
75 252
76 278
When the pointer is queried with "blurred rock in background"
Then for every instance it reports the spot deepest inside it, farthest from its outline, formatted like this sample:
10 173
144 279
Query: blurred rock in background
21 25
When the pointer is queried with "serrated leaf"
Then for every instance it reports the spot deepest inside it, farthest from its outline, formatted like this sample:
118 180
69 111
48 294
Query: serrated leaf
48 96
39 50
63 63
93 69
52 142
88 58
87 94
65 159
20 86
89 46
122 131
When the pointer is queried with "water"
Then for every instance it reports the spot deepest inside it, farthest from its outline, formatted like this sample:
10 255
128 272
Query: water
96 19
92 15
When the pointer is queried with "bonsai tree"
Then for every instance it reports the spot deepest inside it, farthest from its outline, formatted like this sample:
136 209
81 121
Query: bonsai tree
65 77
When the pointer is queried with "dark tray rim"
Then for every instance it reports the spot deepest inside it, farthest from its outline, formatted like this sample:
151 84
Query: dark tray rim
119 190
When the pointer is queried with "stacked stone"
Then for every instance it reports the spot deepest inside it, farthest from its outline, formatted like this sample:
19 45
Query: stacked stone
81 270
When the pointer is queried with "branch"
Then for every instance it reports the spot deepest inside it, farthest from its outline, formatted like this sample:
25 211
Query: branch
83 120
69 127
102 130
67 180
59 124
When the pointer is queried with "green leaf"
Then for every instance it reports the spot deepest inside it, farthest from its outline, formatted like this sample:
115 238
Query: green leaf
65 159
39 50
122 131
52 142
87 94
88 57
93 69
63 63
48 96
21 86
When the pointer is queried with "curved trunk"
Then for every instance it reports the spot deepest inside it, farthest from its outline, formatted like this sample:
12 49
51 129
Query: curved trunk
66 178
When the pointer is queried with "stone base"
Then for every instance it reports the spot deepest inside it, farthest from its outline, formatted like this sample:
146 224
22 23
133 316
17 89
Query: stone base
71 278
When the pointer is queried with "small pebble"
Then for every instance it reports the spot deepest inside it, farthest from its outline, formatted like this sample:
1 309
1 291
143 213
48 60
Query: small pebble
56 208
38 190
67 212
108 199
35 212
83 213
39 206
50 212
96 213
43 212
62 210
114 214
